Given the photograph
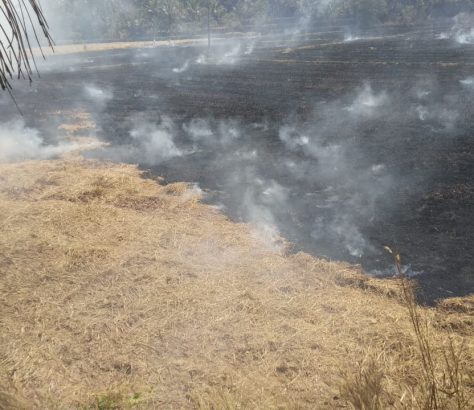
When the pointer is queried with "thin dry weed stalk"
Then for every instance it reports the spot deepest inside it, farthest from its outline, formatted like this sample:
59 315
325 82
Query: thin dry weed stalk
444 374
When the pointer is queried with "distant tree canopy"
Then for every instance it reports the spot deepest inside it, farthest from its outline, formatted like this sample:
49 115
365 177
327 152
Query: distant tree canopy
112 19
23 24
368 12
19 21
94 20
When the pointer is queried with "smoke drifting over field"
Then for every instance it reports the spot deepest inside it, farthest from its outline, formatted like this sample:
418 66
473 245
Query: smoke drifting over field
319 178
97 95
226 52
19 143
353 183
149 143
462 30
325 138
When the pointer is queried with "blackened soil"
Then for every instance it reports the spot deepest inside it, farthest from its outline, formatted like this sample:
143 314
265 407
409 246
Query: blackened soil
426 212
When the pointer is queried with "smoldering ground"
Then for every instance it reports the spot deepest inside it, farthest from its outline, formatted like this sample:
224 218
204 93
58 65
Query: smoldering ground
326 183
19 143
341 149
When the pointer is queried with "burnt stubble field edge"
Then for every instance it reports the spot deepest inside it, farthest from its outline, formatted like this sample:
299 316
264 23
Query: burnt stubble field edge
425 213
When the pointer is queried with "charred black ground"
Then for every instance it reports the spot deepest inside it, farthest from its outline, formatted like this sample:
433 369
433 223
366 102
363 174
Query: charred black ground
422 201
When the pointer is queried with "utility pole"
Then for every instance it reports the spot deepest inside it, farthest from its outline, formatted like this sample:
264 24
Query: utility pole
170 25
209 25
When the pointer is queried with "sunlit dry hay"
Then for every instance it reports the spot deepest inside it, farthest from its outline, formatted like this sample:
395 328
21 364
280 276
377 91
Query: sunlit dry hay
116 45
120 45
78 121
116 291
79 131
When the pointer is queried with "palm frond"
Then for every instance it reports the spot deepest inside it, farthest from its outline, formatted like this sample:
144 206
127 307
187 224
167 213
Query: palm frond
21 24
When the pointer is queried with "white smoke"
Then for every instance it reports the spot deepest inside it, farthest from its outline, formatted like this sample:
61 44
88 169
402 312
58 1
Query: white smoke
259 203
367 102
200 131
181 69
352 188
423 113
149 144
462 30
97 95
19 143
156 142
229 132
256 199
205 134
348 38
465 36
468 83
326 154
230 57
446 116
193 192
249 48
292 139
351 236
228 52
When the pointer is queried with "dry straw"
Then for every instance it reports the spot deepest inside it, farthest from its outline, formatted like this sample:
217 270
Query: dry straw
119 292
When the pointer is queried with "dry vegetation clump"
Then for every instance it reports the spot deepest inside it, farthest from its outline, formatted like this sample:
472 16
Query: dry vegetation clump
116 45
77 122
119 292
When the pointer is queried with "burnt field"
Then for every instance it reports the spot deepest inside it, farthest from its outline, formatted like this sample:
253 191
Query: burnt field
340 144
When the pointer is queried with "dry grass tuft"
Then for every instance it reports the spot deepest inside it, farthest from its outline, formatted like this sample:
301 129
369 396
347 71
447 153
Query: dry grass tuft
446 373
364 390
118 292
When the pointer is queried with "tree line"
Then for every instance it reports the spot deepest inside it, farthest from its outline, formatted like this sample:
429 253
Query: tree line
120 19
